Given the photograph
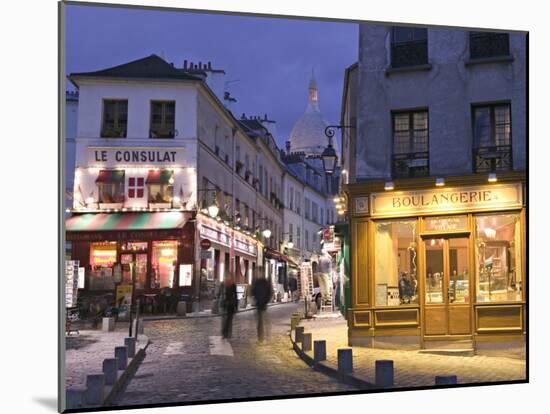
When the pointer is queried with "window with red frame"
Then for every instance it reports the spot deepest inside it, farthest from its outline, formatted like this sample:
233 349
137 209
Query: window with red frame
136 187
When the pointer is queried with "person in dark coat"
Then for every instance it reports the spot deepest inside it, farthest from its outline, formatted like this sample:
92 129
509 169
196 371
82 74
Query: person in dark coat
229 305
261 290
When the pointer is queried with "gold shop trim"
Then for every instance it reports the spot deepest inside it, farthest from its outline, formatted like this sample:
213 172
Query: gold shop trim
446 200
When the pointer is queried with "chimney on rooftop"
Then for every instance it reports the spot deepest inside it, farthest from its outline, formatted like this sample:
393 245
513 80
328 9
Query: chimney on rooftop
209 65
287 145
185 64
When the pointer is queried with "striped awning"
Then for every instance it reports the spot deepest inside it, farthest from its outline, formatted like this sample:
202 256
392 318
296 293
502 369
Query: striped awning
110 176
159 176
126 221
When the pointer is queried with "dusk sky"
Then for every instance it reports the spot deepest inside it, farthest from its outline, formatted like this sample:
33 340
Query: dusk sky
270 59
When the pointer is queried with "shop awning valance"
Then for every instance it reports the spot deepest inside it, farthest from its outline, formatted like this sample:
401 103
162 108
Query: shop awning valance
126 221
159 176
110 176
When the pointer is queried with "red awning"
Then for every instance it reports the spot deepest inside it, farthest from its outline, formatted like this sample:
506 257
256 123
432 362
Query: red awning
110 176
159 176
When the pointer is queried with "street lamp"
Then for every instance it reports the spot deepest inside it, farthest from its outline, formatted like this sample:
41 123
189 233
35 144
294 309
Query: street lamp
266 233
329 158
213 210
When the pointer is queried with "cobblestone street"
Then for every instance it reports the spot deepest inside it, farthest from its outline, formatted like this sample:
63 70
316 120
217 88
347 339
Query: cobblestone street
188 361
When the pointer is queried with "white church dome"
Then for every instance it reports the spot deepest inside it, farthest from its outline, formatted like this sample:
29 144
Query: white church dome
308 133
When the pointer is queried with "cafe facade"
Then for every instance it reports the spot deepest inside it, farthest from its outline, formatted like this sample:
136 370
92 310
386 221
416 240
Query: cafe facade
438 266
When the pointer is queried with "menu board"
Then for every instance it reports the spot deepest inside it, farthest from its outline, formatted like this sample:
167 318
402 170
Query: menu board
186 274
71 282
306 279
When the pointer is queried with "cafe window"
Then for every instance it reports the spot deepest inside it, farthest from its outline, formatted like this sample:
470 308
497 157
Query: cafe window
409 46
136 187
110 185
160 186
395 262
115 118
410 144
103 256
498 258
164 259
162 119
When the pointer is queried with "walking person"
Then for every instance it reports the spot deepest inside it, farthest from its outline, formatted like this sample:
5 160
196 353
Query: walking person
229 305
261 290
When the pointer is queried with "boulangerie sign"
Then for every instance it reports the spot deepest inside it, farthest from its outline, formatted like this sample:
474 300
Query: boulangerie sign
475 198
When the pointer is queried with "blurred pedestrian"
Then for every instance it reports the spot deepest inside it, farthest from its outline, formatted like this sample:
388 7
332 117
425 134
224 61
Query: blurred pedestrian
261 290
229 305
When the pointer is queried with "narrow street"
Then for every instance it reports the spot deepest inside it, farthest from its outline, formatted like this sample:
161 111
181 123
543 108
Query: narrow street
188 361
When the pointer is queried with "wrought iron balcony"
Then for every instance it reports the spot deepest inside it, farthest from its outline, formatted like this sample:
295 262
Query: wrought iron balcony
413 164
413 53
493 159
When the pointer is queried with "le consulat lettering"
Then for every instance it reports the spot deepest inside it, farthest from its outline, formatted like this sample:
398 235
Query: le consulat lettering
448 198
137 156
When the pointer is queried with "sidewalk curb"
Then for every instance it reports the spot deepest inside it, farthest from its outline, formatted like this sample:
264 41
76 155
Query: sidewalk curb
325 368
213 315
125 376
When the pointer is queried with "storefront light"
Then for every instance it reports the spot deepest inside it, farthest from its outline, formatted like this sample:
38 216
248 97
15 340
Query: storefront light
440 182
266 233
336 199
388 186
492 177
213 210
176 199
290 245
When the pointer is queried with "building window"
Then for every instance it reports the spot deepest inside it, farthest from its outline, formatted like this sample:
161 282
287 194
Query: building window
291 198
160 186
307 240
395 261
136 186
498 258
298 236
110 184
492 130
306 208
298 202
290 232
163 118
103 256
410 144
489 44
409 46
115 118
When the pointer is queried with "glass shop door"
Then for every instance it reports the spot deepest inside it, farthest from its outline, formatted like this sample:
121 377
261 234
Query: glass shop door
447 283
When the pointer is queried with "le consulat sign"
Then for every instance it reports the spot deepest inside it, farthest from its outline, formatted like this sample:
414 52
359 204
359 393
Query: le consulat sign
133 156
478 198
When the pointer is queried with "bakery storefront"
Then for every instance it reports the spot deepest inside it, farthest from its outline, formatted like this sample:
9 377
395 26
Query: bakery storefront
433 264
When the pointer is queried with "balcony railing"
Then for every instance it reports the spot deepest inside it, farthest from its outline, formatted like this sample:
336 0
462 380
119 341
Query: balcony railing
492 159
412 53
414 164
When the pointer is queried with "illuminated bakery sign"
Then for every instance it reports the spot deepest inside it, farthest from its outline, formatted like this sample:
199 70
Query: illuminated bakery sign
120 156
479 198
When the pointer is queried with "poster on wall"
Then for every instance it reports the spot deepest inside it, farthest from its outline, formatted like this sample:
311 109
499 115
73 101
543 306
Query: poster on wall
186 274
71 282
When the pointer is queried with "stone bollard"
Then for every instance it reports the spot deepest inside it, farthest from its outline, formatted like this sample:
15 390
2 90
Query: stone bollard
75 398
319 350
108 325
131 345
140 326
95 384
345 361
294 322
181 309
306 342
110 367
445 380
121 354
384 373
298 334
